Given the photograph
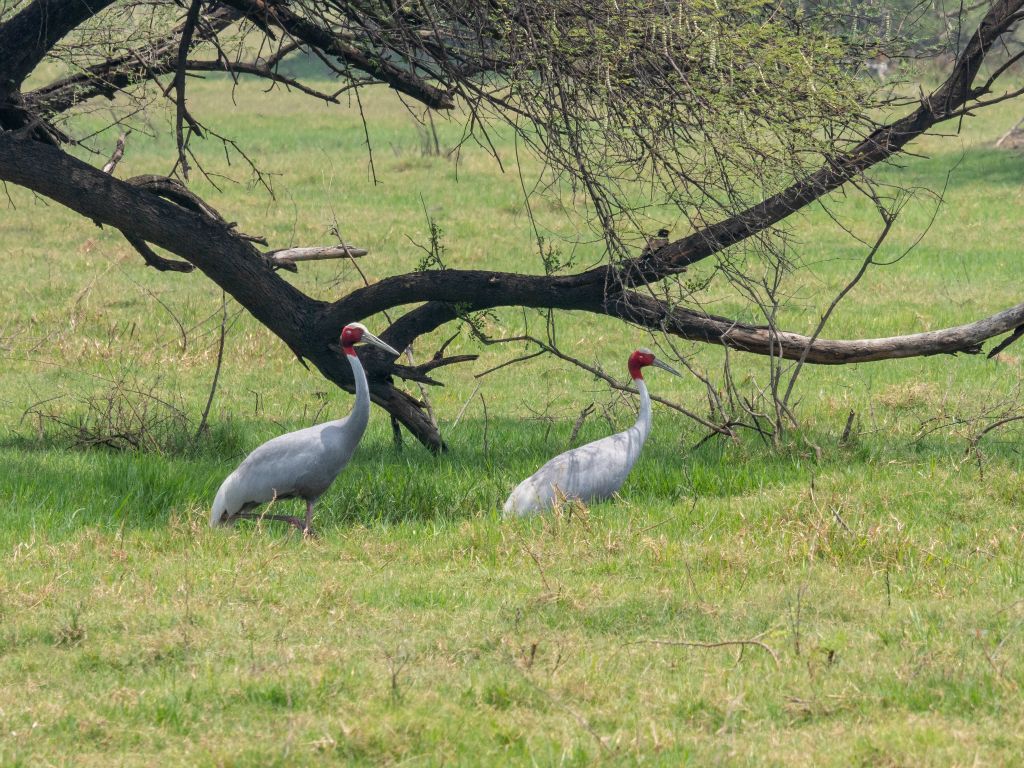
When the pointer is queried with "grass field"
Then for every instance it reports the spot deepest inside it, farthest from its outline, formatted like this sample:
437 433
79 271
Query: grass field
879 581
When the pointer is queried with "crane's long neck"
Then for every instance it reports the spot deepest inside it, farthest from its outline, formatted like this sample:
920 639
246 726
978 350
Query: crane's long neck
643 421
360 414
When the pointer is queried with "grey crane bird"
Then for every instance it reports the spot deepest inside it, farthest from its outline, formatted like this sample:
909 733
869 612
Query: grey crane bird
300 464
596 470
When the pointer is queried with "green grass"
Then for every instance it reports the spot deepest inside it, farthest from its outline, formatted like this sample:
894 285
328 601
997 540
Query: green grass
884 573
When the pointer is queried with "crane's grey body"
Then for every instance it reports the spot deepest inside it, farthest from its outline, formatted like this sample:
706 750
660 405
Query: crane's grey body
591 472
300 464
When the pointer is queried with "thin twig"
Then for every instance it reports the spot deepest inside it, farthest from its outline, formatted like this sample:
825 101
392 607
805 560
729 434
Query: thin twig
717 644
465 405
889 219
216 372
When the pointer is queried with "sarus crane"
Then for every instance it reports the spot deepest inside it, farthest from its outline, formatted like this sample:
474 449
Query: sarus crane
596 470
300 464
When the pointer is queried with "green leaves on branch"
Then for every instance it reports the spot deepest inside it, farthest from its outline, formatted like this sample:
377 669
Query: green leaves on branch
706 105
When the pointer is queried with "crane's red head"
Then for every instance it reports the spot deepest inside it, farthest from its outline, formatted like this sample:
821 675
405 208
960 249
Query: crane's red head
353 333
638 360
350 335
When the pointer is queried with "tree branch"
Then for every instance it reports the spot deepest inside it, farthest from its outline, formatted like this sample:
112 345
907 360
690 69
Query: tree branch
117 73
374 63
189 27
943 103
27 37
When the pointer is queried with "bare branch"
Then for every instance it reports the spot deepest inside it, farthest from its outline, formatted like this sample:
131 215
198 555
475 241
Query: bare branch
191 19
119 72
371 62
551 349
216 371
868 261
285 256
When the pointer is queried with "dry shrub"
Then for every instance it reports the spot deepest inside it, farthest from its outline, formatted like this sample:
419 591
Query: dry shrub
130 415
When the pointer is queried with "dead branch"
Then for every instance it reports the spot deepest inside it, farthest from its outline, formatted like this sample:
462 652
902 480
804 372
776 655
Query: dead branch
285 256
845 437
589 409
973 443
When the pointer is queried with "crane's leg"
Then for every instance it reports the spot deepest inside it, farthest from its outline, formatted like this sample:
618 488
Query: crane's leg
308 530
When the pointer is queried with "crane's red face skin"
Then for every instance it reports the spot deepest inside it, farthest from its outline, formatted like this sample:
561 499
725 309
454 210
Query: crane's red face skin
350 335
638 360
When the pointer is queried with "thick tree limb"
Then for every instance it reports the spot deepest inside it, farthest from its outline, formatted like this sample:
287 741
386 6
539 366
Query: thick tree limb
490 290
27 37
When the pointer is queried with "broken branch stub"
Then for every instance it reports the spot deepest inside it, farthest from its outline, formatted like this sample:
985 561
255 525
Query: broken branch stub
285 256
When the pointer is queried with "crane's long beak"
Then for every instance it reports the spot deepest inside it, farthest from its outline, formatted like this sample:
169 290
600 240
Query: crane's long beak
666 367
371 339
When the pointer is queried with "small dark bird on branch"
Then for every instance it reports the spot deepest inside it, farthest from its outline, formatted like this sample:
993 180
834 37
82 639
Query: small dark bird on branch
655 243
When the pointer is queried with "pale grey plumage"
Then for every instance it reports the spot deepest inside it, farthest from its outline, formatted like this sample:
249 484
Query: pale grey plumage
591 472
300 464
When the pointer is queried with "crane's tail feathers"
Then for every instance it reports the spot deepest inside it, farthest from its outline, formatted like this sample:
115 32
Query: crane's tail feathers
524 500
509 510
219 509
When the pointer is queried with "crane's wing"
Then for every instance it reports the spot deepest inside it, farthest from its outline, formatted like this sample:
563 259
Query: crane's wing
591 472
302 463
